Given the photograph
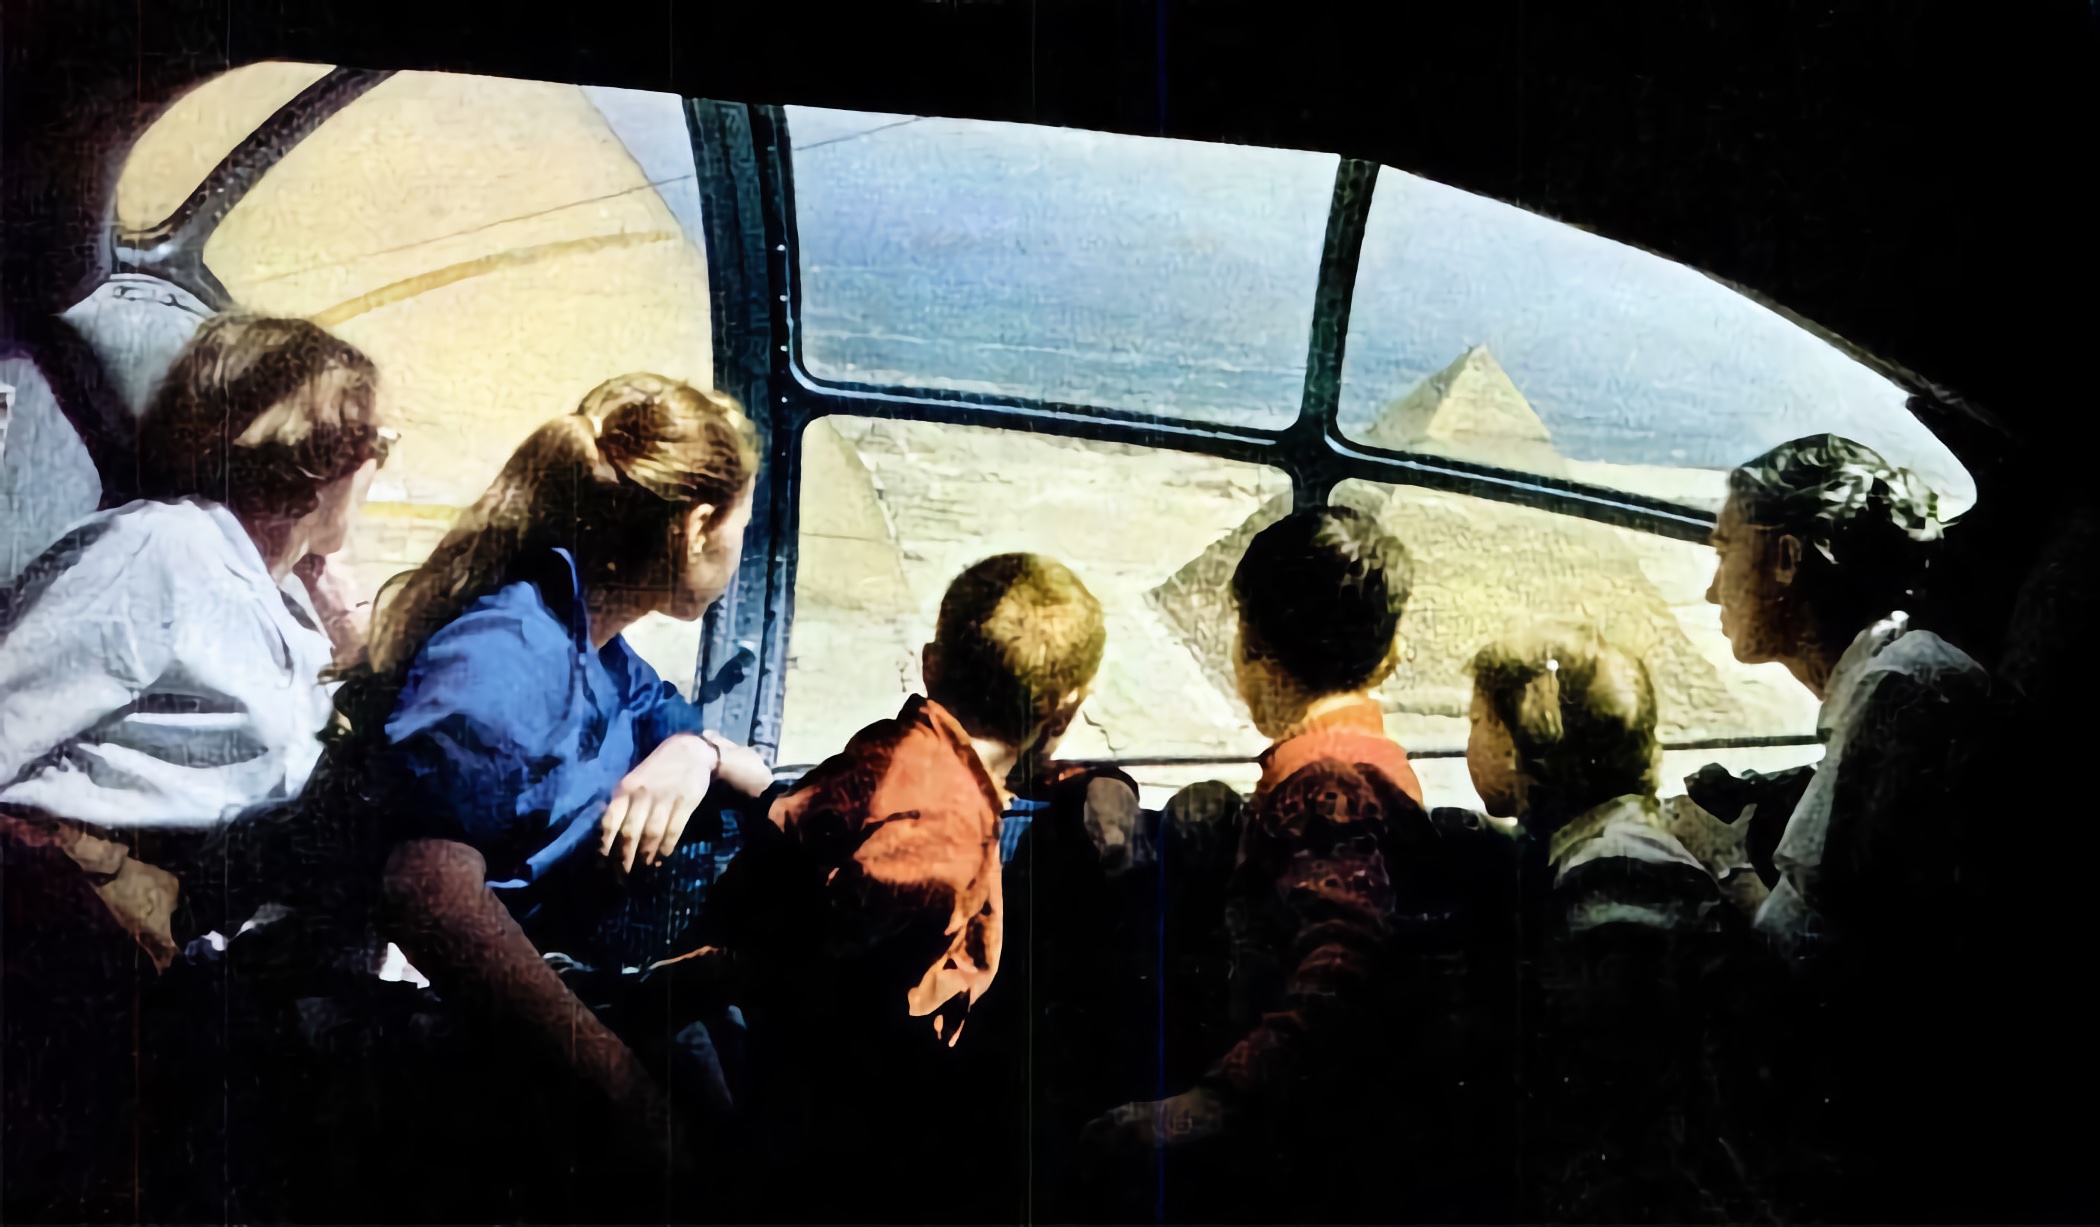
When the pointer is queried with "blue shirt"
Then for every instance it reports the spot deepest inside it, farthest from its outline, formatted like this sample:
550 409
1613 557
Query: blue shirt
510 734
1013 824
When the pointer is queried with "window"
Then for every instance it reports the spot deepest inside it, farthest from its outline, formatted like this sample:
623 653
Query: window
173 156
1483 332
1484 568
891 511
1166 277
499 248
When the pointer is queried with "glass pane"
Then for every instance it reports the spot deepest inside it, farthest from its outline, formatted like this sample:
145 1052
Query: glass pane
1483 569
499 248
1169 277
892 511
195 134
1484 332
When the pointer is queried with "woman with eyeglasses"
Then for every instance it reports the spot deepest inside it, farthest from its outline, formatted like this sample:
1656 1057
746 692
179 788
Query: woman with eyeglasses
162 679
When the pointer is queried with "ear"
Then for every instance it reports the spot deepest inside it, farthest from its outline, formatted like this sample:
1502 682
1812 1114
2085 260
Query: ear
930 667
697 519
1786 559
1393 656
1062 716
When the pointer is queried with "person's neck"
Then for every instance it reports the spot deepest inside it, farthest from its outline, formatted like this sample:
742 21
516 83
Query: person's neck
1814 660
281 542
612 611
1301 715
999 759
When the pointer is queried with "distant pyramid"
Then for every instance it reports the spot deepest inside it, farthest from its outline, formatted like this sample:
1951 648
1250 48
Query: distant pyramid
1470 410
1482 567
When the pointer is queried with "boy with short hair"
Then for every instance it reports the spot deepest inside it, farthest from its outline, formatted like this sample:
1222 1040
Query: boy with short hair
905 821
1341 883
873 903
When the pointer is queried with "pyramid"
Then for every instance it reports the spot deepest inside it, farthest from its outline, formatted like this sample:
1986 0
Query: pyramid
1481 568
1470 410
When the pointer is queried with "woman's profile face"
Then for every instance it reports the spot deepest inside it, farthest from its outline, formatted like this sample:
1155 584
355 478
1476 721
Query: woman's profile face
1745 586
712 553
328 524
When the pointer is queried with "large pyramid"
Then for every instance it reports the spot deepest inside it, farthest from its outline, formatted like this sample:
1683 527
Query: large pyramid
1484 568
1470 410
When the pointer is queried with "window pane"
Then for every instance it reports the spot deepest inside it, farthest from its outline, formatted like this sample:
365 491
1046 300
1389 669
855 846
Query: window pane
1484 332
172 157
1483 569
499 248
1163 276
892 511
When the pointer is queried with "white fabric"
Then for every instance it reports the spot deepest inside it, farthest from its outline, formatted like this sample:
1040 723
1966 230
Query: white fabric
1888 647
162 678
1631 826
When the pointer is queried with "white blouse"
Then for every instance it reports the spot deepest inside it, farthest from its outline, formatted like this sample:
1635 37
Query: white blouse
1887 648
153 674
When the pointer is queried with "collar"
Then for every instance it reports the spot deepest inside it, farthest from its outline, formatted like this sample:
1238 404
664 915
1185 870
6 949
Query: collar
249 562
918 709
1361 722
229 526
1851 668
1360 716
1633 808
553 571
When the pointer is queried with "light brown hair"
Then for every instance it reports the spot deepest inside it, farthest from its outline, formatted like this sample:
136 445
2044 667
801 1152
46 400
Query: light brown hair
259 413
1018 633
1580 712
611 483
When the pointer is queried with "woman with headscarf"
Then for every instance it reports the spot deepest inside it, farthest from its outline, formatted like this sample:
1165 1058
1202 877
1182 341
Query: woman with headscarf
1824 549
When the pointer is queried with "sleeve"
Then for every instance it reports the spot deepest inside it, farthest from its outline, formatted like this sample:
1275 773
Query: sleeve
660 711
1891 847
1331 967
471 737
89 628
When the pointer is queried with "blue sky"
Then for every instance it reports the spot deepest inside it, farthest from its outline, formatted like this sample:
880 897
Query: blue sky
1178 277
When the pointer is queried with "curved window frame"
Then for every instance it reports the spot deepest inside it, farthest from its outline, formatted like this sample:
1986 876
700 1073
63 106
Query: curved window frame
747 179
744 167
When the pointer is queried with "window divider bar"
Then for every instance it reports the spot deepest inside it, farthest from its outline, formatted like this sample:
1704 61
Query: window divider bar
173 248
1314 473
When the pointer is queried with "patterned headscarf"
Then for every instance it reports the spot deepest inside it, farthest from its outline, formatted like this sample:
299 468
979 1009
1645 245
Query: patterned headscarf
1839 496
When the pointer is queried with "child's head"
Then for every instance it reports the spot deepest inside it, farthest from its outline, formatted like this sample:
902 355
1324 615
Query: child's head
1018 641
1561 722
1320 594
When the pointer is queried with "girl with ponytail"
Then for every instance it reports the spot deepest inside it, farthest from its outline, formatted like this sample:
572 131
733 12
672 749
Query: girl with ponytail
533 768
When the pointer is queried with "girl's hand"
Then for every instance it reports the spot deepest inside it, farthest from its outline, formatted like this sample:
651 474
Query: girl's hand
741 767
650 807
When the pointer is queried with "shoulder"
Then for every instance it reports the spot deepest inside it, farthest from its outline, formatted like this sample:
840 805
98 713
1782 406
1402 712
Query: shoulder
511 623
140 538
505 661
850 774
1923 656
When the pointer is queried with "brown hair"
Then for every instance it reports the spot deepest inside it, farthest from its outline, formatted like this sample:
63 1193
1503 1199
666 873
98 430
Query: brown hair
610 483
1017 634
1580 712
259 413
